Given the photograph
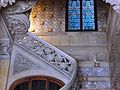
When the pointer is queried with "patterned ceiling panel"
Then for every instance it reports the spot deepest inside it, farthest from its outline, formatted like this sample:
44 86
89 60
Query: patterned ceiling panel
48 16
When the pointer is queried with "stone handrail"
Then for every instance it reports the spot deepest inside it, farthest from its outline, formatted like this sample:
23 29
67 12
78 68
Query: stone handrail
51 55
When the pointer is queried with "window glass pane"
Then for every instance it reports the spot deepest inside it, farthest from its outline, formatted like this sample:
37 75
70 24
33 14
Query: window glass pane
88 15
35 85
17 87
42 85
24 86
74 15
53 86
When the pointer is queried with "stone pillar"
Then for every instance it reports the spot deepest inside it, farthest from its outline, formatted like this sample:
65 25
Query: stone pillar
4 62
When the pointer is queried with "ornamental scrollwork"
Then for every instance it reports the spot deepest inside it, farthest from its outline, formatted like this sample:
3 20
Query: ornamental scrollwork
17 24
47 53
20 6
4 47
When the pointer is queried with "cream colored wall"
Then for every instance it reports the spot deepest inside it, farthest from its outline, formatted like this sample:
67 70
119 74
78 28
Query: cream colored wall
4 63
76 38
80 45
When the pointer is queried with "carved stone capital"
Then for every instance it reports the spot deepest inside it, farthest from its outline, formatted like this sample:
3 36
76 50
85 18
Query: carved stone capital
4 47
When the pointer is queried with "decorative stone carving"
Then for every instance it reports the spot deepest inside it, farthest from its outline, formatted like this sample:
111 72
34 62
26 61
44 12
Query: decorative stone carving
4 3
22 63
17 24
20 6
47 53
4 47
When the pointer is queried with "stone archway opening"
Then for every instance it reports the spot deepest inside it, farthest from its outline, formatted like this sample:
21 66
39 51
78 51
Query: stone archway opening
37 83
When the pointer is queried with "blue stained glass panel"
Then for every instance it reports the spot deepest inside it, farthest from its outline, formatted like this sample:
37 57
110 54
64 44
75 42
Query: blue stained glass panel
88 15
74 15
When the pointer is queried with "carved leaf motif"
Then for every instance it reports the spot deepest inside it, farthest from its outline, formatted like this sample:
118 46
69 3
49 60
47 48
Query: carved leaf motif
47 53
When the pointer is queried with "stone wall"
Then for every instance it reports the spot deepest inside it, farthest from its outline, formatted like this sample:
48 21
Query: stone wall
114 48
102 15
48 23
4 64
49 16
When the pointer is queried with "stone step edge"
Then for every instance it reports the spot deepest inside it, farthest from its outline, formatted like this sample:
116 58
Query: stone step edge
99 89
92 64
93 79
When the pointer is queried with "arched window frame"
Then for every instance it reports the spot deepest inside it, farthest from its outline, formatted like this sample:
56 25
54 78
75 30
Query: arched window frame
79 30
32 78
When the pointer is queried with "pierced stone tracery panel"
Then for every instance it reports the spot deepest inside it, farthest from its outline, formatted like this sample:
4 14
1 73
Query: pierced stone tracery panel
47 53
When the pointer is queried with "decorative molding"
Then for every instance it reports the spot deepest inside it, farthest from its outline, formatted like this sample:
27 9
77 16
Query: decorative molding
20 6
22 64
17 24
4 3
4 47
47 53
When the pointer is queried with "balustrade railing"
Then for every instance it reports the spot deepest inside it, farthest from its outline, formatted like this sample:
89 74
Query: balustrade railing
50 54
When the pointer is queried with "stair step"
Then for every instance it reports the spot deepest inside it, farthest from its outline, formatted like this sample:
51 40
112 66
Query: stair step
94 85
88 58
93 71
97 89
96 79
92 63
81 53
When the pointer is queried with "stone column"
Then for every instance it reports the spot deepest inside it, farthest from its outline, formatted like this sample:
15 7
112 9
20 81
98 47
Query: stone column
4 62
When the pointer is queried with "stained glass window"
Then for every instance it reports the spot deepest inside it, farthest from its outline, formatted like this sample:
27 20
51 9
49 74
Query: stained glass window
81 15
74 15
88 17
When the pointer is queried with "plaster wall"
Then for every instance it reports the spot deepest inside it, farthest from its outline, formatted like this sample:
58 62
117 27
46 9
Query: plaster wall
114 47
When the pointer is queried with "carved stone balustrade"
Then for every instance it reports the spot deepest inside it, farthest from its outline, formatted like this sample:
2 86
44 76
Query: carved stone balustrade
47 52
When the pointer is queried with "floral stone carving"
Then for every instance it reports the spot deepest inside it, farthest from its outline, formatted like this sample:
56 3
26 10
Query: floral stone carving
44 51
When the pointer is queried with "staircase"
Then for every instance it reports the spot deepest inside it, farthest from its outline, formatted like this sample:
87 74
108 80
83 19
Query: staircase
32 56
92 57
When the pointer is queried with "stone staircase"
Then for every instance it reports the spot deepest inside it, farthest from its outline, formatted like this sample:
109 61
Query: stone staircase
90 49
91 75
